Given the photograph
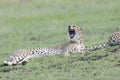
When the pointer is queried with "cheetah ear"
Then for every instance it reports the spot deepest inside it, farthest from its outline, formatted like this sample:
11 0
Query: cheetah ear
82 29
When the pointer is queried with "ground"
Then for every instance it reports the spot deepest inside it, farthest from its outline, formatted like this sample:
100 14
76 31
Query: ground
43 23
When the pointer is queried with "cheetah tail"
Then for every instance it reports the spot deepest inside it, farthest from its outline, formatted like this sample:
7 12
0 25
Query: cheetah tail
93 48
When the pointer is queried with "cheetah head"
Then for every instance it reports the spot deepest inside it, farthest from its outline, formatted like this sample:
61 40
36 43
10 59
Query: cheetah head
75 32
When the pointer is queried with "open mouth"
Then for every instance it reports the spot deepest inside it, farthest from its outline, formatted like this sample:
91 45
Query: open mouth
71 33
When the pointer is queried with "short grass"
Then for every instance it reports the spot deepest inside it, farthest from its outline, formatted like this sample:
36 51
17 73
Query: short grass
43 23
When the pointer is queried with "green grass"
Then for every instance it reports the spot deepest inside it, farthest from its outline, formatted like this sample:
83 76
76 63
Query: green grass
43 23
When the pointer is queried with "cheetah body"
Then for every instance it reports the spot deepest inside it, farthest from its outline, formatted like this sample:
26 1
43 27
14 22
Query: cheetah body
74 45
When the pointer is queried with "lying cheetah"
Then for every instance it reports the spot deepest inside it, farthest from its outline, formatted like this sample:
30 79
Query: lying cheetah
75 44
113 40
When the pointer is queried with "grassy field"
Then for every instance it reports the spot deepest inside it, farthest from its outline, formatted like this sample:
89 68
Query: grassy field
43 23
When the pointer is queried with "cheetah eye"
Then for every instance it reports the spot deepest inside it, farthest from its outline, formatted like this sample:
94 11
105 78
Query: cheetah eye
74 26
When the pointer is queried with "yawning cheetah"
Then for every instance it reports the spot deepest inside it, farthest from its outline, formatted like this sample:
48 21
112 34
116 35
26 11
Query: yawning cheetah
74 45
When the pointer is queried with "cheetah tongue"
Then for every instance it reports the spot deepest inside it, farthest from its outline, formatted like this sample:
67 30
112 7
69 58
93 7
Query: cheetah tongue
71 36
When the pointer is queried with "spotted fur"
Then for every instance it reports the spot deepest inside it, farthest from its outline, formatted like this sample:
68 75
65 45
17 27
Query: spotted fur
113 40
75 44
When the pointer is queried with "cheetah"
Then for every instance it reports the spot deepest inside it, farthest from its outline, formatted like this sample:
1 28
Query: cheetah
113 40
75 44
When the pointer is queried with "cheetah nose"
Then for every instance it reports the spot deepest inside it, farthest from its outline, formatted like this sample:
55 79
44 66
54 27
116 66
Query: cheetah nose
69 27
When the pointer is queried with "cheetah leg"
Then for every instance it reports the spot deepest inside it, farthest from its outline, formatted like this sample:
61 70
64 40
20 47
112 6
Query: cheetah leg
11 61
24 61
66 53
7 63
